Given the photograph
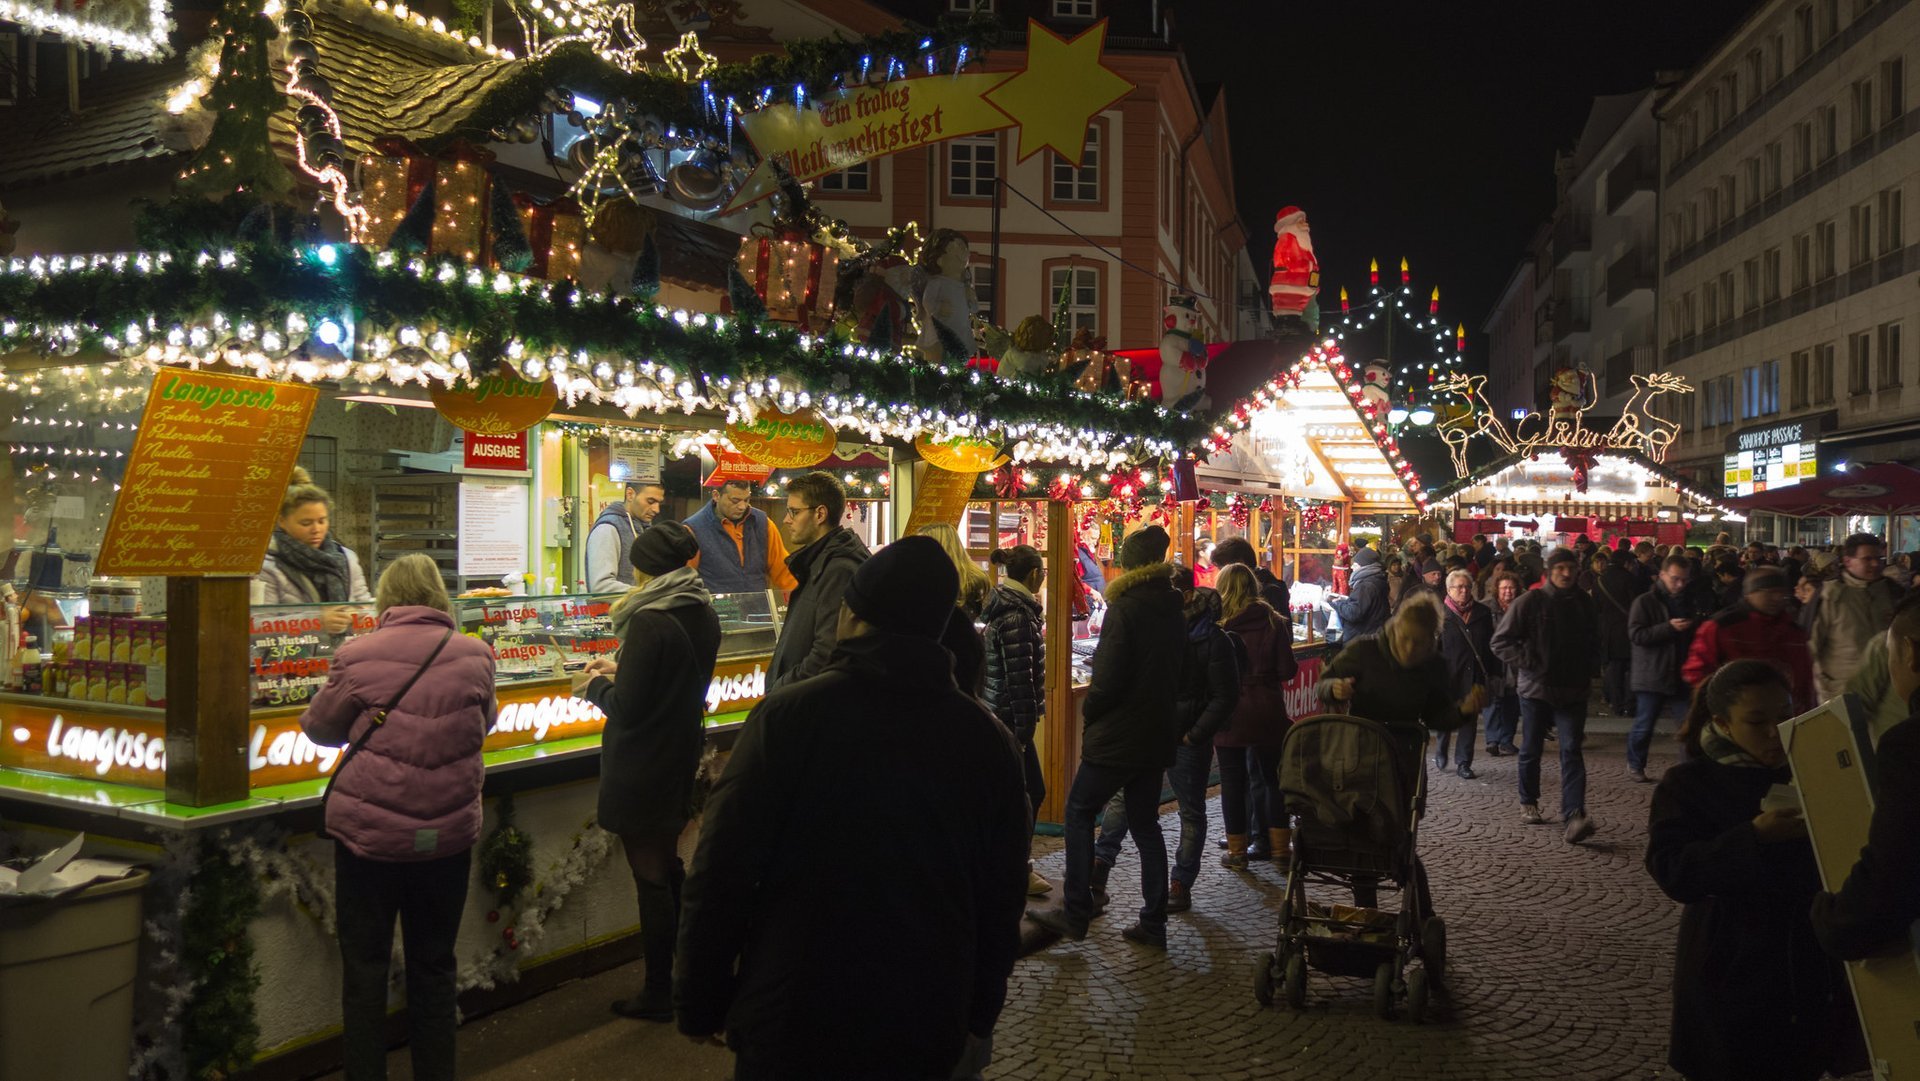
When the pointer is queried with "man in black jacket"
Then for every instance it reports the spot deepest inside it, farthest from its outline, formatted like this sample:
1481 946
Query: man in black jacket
1549 639
1132 728
1365 608
878 752
1660 627
825 556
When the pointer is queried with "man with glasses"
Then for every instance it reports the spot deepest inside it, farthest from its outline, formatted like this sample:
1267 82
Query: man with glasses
825 556
740 551
1854 607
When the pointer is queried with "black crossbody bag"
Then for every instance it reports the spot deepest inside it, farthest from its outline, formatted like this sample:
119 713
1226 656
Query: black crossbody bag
379 719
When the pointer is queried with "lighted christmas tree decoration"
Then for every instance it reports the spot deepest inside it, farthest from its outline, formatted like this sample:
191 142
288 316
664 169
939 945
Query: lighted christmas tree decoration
239 154
1390 313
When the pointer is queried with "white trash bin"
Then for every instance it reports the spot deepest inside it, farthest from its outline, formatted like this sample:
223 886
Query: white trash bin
67 970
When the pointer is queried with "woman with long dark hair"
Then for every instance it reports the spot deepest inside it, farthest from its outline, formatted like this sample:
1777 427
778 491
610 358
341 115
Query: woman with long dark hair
1259 721
1754 999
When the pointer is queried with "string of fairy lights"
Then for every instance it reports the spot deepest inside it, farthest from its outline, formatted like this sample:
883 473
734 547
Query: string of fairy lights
1398 306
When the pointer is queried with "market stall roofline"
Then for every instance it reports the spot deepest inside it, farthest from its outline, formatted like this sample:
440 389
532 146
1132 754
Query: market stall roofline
1688 489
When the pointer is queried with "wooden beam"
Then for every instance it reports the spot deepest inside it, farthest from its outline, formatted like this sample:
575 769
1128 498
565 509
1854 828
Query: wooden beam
1059 736
207 693
1333 474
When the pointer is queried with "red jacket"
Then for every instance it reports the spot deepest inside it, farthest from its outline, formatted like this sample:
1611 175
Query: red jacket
1740 633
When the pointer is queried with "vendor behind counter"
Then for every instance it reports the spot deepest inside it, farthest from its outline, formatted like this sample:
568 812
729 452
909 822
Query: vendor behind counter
304 564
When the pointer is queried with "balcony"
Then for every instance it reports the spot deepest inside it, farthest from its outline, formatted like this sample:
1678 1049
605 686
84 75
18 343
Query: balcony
1634 360
1634 176
1572 316
1630 279
1572 235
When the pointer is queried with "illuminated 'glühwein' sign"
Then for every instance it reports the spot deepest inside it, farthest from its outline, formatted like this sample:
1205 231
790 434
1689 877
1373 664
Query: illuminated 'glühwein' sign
1565 423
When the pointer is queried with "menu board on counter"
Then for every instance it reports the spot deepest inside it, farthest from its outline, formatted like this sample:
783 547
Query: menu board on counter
493 528
207 474
941 498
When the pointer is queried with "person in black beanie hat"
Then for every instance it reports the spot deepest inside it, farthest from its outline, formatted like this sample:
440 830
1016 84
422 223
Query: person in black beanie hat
655 699
1132 729
1365 608
778 891
1427 585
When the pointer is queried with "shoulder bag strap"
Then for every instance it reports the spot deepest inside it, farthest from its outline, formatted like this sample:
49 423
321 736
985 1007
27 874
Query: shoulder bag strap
1610 598
379 719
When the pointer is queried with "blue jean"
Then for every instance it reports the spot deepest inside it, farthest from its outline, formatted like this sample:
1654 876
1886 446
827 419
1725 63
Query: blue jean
1092 787
1501 719
1188 779
1651 706
1570 721
1461 740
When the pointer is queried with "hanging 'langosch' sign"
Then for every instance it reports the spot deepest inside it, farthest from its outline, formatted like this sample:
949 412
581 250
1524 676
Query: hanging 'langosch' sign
784 440
961 455
499 404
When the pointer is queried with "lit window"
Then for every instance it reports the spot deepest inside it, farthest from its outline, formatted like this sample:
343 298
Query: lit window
1076 290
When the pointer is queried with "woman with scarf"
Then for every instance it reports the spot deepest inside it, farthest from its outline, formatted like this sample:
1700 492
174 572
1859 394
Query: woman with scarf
304 564
655 702
1466 644
1754 999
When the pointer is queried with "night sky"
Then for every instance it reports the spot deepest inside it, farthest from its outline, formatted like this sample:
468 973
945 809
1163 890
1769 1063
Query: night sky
1426 130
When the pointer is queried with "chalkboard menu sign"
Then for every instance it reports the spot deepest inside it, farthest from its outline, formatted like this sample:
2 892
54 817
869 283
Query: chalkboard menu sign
207 474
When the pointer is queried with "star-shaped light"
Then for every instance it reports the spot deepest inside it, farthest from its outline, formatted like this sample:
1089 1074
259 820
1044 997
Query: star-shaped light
689 49
1062 89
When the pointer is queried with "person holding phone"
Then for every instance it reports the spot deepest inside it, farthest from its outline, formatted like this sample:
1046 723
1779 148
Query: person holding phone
1753 996
1660 624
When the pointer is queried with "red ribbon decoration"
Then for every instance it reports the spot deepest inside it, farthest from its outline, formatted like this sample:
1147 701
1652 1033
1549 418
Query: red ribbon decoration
1582 462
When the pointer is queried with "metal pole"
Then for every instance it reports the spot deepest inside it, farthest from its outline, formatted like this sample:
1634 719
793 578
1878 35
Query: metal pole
993 266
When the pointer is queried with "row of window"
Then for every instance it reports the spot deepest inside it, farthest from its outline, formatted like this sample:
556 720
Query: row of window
1810 26
1874 362
973 168
1814 141
1875 226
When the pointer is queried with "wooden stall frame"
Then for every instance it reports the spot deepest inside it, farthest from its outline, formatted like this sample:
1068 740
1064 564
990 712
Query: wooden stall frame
208 714
1060 735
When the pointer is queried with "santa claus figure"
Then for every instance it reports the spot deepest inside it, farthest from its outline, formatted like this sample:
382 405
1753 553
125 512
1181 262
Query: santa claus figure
1183 355
1566 397
1296 273
1342 568
1374 381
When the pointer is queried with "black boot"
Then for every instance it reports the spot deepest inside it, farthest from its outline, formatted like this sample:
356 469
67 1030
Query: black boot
1101 869
659 925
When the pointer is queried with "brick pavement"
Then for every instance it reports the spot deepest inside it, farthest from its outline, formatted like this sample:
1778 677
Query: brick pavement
1558 958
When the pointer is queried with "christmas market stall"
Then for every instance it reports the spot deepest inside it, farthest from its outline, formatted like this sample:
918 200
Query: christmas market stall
358 260
1560 495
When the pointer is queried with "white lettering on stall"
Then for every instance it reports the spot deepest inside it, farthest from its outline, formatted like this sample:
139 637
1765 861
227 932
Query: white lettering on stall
545 715
736 688
289 749
105 747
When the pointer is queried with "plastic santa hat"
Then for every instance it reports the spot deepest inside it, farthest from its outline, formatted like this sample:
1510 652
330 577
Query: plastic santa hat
1289 215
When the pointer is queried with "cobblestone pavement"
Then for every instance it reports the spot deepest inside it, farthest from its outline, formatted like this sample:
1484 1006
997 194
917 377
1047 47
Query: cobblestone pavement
1558 956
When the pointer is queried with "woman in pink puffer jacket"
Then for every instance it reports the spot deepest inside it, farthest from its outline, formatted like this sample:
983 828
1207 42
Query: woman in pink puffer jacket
404 812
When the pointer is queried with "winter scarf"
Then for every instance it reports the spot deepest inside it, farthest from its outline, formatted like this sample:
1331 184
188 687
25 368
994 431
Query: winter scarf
320 573
1720 747
674 589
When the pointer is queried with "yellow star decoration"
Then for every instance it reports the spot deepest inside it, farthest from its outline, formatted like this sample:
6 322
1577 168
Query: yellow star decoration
1062 89
689 47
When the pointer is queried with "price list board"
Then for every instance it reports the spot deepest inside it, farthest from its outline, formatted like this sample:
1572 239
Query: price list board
206 476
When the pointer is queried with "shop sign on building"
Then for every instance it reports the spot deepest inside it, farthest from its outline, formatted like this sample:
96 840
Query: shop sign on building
206 476
1774 455
495 453
498 404
962 454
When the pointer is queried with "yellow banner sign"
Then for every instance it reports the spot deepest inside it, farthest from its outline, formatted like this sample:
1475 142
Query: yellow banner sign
961 455
1052 102
785 440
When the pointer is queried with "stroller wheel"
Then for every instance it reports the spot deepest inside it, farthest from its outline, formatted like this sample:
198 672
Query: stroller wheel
1418 989
1263 979
1383 990
1296 980
1433 947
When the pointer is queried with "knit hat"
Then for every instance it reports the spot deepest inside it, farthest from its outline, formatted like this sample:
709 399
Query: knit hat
1562 555
908 587
1431 566
1148 546
1760 578
1364 556
665 546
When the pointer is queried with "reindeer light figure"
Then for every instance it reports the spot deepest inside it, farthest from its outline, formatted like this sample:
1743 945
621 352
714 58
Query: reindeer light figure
1637 421
1479 419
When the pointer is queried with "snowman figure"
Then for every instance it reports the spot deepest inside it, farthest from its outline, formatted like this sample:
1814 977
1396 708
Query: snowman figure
1183 356
1374 381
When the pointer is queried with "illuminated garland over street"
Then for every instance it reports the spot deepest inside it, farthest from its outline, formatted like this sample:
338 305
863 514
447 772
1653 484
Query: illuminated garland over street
1413 377
343 313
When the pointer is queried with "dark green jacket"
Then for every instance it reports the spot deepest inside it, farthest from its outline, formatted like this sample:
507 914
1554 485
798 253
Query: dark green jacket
1407 700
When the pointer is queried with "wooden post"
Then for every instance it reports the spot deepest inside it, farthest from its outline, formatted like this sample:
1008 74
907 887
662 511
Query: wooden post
1060 732
207 693
1183 533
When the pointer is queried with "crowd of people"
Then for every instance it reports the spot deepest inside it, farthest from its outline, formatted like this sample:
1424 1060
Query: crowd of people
907 690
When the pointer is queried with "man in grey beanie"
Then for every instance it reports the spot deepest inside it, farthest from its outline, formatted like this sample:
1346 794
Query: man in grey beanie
1364 609
1551 639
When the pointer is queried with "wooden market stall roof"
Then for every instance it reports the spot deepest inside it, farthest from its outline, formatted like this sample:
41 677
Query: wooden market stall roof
1619 484
1309 434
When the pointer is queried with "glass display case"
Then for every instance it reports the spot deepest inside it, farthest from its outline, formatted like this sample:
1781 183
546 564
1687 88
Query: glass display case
533 638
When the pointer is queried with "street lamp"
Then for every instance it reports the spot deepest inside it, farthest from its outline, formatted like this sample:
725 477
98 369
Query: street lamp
1421 416
1396 415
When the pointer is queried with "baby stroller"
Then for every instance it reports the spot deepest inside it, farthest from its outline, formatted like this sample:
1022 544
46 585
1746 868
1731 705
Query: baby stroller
1358 795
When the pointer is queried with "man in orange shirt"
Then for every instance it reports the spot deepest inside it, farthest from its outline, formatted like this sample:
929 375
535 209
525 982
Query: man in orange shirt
740 550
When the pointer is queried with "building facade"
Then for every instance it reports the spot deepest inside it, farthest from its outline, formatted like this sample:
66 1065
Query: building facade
1510 335
1786 278
1149 212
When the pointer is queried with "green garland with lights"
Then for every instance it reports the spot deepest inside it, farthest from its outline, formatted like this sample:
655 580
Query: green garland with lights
221 1032
89 306
817 65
